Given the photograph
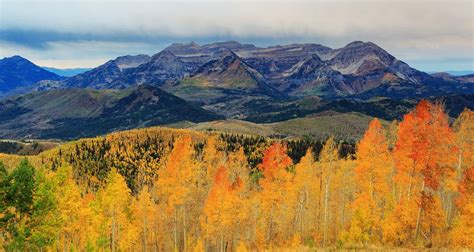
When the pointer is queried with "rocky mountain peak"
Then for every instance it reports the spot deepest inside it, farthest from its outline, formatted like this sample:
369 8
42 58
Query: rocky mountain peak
221 64
359 57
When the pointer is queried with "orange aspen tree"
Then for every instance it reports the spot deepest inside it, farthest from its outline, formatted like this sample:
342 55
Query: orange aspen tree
276 196
176 185
423 161
222 215
372 177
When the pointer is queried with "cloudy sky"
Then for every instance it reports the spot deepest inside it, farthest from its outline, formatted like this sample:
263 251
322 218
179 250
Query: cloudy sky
429 35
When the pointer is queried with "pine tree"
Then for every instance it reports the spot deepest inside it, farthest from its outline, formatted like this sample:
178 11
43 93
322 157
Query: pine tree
19 190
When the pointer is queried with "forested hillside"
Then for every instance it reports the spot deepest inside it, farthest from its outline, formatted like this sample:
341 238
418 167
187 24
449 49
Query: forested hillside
409 184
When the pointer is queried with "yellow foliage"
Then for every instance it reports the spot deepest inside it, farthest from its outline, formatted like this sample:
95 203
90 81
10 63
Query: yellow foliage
160 189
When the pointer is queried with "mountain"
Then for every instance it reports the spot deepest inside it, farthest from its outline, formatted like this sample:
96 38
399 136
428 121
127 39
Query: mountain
311 76
468 78
354 69
161 68
73 113
112 74
17 73
66 72
228 72
453 72
226 85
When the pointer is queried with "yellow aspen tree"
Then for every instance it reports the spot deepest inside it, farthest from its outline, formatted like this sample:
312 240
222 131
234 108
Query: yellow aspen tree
464 143
328 162
145 212
307 187
464 130
74 212
371 174
463 231
340 205
212 158
115 202
238 172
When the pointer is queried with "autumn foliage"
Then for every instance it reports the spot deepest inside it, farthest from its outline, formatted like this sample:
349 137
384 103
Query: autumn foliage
409 184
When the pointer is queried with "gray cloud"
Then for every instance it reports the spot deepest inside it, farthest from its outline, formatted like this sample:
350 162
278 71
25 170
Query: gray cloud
415 31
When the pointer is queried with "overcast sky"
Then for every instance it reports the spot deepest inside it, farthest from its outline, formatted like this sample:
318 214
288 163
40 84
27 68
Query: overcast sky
429 35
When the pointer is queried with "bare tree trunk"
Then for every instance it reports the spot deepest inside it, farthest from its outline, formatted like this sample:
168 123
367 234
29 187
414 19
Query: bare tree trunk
326 209
144 233
176 229
271 223
318 218
419 212
412 173
184 228
113 231
222 242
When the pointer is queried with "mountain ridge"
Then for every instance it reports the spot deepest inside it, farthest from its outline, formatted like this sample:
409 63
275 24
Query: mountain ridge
73 113
18 73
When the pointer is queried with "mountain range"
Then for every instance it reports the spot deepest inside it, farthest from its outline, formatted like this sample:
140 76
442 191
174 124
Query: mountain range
359 69
219 80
